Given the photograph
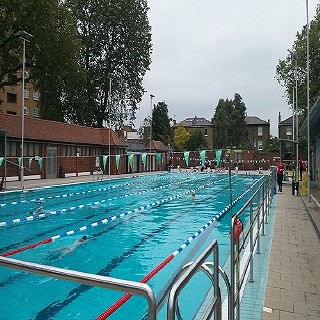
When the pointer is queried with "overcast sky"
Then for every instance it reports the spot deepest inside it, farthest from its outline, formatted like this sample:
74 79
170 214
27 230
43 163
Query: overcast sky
206 50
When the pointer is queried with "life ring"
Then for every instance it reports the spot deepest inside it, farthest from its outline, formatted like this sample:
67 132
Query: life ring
237 229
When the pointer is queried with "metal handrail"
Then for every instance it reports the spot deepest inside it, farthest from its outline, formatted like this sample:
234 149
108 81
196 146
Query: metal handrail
224 276
187 276
133 287
255 230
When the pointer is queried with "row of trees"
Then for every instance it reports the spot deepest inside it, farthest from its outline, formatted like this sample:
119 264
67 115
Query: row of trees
231 129
87 58
229 118
294 67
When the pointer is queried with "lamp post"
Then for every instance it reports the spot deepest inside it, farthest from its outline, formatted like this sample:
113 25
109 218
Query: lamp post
151 97
295 108
308 103
24 36
109 120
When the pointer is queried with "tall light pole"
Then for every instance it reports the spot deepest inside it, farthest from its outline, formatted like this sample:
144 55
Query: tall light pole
308 103
24 36
295 107
109 118
151 97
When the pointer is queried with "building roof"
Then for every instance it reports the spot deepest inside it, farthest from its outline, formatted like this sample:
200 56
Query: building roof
253 120
157 146
53 131
195 122
286 122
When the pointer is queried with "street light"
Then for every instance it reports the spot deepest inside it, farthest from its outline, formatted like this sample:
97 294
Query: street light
24 36
295 118
151 97
308 104
109 118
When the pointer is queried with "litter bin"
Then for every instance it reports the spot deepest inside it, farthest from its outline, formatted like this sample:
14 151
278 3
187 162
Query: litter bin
62 172
295 188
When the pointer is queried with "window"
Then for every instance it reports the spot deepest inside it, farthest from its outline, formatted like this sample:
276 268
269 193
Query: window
97 151
26 93
35 112
260 144
289 131
36 95
11 97
26 110
11 149
205 132
260 131
36 149
64 151
84 151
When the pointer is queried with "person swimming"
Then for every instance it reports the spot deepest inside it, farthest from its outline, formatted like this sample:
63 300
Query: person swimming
39 208
74 246
193 196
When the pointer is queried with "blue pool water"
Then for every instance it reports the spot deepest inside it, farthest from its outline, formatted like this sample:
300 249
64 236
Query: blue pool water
128 247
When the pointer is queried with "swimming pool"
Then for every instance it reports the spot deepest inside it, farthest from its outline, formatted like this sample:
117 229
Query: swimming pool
153 216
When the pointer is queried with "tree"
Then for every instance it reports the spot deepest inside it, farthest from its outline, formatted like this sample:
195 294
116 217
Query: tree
196 141
231 127
296 60
51 55
181 136
161 123
273 145
116 48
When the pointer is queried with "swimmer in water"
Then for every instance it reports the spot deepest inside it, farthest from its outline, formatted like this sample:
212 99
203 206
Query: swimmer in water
193 196
74 246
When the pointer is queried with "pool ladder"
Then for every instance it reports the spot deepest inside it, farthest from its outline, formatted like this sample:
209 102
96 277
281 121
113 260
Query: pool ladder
211 270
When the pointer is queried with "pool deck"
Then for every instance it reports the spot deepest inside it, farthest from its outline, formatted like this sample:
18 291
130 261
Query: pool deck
293 281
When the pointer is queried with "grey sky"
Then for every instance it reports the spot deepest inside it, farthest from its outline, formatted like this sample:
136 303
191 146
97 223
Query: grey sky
206 50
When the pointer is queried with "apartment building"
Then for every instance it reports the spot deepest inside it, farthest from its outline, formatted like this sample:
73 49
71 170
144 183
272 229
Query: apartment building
11 99
258 132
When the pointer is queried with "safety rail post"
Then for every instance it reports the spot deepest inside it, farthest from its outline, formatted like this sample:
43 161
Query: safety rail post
232 273
267 200
189 273
251 241
262 206
133 287
238 280
258 228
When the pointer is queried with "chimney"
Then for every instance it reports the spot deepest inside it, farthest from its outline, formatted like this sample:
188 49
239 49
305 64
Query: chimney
279 117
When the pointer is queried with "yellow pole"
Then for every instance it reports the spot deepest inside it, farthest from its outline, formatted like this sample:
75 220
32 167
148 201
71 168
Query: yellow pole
303 183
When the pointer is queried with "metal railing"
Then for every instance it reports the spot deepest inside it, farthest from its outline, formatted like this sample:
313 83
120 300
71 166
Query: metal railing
135 288
258 208
189 271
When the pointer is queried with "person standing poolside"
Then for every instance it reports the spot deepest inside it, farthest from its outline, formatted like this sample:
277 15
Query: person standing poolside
300 164
280 171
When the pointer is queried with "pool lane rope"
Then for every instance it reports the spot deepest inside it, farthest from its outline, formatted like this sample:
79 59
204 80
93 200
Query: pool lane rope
127 296
65 195
47 213
105 221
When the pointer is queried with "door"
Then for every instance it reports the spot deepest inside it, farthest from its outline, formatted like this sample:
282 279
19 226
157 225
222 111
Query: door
51 167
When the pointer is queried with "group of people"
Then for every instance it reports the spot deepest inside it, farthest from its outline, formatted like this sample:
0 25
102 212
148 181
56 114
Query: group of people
302 165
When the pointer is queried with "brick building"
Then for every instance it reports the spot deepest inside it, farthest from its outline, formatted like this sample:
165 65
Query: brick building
55 149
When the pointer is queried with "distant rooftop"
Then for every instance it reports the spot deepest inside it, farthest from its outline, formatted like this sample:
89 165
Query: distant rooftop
253 120
195 122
